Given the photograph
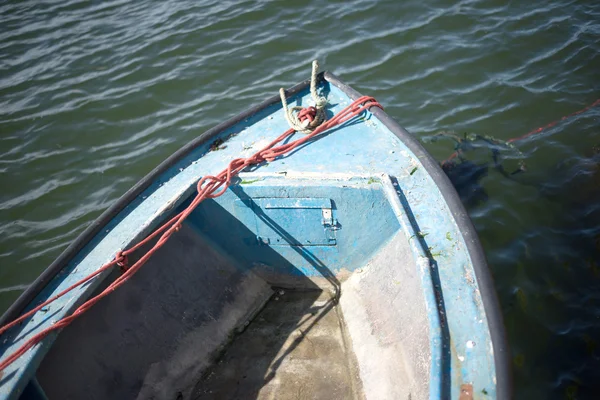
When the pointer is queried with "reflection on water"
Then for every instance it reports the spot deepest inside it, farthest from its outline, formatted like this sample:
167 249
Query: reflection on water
94 95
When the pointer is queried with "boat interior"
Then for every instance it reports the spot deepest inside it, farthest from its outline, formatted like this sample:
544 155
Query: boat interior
285 287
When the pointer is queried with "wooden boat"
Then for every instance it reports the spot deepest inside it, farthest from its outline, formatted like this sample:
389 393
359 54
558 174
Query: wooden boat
346 268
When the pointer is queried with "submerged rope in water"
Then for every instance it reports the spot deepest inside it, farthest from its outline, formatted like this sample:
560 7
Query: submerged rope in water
209 187
531 133
551 124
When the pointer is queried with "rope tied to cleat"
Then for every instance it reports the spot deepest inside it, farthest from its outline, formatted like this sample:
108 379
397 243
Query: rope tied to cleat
307 119
208 187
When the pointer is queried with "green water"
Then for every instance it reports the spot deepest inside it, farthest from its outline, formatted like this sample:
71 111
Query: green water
93 95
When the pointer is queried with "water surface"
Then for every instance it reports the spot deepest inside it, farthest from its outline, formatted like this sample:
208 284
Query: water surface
93 95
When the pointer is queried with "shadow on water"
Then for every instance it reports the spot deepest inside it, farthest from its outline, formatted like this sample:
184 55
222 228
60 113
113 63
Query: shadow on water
551 307
465 176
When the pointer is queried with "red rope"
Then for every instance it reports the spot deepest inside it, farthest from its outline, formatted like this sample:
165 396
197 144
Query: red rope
208 187
537 130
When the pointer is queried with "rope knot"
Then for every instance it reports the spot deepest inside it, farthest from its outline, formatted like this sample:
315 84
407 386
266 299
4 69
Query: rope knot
122 261
306 119
307 115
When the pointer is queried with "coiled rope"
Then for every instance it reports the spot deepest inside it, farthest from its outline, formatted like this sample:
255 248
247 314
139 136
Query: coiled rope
307 119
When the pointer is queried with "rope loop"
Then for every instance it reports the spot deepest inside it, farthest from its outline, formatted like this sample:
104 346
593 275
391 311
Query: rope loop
122 261
306 119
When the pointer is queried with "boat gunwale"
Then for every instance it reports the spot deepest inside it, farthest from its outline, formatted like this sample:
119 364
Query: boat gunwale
504 385
485 282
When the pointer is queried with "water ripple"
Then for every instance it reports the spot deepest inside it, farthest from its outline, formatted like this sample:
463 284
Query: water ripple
94 95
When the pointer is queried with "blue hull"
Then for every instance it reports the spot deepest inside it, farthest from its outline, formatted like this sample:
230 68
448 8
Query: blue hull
362 212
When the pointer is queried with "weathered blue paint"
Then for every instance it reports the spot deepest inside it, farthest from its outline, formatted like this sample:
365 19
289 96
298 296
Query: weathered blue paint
300 218
356 235
437 338
342 167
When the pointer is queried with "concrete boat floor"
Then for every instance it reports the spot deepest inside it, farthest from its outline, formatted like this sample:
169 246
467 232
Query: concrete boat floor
295 348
